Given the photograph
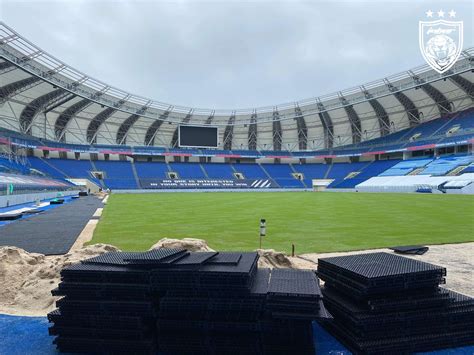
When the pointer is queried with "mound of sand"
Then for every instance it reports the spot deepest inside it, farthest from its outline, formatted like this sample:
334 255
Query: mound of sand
27 279
191 244
270 258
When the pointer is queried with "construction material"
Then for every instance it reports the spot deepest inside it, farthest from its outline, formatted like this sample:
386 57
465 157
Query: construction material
385 303
174 301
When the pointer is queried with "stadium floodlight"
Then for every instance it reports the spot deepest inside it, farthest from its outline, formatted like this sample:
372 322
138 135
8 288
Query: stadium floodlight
263 230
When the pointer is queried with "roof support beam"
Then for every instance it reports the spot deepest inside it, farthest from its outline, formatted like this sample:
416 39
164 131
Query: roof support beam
302 130
382 116
277 132
229 132
411 110
124 128
464 84
29 113
98 120
443 104
252 133
328 127
354 120
153 129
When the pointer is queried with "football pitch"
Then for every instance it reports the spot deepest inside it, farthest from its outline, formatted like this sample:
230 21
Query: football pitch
313 222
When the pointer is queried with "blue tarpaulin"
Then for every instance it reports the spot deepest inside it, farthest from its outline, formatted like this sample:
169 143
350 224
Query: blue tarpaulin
29 335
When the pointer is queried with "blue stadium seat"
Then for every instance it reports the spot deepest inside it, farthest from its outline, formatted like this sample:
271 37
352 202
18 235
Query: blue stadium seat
156 170
219 171
188 170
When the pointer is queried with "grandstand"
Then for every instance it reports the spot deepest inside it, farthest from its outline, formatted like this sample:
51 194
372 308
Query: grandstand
65 135
417 123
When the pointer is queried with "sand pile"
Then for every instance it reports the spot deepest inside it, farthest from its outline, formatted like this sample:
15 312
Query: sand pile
27 279
270 258
191 244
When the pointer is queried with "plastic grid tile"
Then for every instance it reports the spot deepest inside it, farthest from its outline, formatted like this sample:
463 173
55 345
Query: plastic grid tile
154 256
100 332
104 346
99 320
103 291
294 283
195 258
401 345
226 258
370 267
392 285
111 258
395 303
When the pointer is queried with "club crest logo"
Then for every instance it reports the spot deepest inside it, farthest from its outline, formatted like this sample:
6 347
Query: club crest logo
441 41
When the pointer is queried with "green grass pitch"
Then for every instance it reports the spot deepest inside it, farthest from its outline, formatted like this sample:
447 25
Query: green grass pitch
314 222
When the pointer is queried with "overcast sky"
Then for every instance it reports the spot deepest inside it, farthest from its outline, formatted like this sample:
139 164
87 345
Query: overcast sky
235 54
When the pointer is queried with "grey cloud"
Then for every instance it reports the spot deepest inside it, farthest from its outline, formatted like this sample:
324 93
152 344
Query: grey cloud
230 54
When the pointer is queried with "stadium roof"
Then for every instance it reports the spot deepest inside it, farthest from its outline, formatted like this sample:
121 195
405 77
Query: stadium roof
45 97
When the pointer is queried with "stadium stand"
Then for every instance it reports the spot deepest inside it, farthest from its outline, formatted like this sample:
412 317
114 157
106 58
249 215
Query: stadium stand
151 170
406 167
339 171
118 174
282 174
251 171
370 170
444 165
219 171
188 170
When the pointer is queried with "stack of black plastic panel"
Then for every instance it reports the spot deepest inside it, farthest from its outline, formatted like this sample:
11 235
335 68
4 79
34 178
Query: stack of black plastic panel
385 303
177 302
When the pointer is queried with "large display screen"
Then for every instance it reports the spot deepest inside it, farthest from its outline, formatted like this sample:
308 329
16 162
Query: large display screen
197 136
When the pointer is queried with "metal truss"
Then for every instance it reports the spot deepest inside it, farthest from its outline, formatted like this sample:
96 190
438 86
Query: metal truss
328 127
382 116
174 139
98 120
252 132
354 120
14 48
229 133
464 84
65 117
444 105
5 66
153 129
12 89
29 113
412 112
124 128
302 130
211 117
277 131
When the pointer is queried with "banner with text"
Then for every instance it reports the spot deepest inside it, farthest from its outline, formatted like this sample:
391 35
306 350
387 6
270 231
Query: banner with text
207 184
